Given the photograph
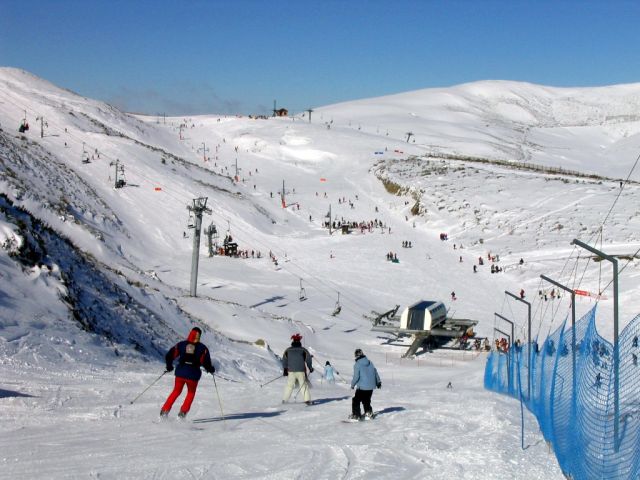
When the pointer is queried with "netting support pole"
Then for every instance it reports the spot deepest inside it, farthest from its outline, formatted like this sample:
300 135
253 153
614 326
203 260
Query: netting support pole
512 343
528 340
574 381
616 345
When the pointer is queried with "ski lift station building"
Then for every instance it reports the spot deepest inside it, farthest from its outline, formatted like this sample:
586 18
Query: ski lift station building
423 315
426 320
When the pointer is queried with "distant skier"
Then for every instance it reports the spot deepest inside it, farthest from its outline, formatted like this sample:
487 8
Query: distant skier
365 378
191 355
295 361
328 373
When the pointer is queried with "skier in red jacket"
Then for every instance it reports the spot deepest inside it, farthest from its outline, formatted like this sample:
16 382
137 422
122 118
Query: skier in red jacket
191 355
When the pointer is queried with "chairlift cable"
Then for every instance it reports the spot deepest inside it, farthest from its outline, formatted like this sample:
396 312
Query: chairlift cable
180 197
109 157
606 218
185 199
291 262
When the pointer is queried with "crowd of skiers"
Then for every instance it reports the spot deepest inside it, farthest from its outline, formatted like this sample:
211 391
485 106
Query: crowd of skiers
502 345
363 226
544 295
191 355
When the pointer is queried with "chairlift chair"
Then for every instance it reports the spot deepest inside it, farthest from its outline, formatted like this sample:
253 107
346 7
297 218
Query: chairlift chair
303 294
338 308
191 221
122 181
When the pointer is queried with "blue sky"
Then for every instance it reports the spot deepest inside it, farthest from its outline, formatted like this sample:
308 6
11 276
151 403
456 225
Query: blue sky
237 56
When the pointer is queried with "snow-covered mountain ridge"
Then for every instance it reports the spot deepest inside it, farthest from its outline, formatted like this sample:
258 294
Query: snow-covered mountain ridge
573 128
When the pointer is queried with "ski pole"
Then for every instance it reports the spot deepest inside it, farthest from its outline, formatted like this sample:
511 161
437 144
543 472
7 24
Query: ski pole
295 397
279 376
306 382
219 401
342 379
228 379
320 365
151 385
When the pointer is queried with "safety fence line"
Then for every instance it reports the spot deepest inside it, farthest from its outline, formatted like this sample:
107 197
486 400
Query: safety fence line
572 396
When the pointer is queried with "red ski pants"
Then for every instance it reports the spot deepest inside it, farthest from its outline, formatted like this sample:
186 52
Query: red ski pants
177 390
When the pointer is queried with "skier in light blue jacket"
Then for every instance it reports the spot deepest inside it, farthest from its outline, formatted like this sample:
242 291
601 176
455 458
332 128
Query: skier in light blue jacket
328 373
365 378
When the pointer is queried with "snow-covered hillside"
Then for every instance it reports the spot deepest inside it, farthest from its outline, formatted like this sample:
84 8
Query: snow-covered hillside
591 130
95 279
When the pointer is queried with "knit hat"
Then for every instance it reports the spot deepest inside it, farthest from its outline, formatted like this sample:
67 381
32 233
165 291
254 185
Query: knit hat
296 337
194 335
358 353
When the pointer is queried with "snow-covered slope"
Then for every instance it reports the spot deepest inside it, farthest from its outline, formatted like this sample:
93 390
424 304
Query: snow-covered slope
592 130
95 279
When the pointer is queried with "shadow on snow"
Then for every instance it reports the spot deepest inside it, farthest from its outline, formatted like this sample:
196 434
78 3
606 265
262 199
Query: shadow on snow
390 410
240 416
11 393
320 401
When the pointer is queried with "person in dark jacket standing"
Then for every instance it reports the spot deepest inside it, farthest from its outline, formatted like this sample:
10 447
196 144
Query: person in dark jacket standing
295 361
191 355
365 378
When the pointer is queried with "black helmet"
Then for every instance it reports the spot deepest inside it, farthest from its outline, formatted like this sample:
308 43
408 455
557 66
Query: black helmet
358 353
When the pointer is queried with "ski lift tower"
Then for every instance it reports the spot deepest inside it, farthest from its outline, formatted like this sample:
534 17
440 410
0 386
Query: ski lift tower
42 125
204 151
197 209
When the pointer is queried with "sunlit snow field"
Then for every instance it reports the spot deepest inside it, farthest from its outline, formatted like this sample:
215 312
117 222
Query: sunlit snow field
66 392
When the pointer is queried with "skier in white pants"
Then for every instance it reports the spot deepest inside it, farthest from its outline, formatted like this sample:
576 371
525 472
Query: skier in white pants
296 360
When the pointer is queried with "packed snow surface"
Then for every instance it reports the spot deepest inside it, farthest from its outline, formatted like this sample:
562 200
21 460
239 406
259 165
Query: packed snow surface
96 279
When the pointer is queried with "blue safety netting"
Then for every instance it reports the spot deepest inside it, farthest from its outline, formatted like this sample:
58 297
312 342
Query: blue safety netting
569 384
